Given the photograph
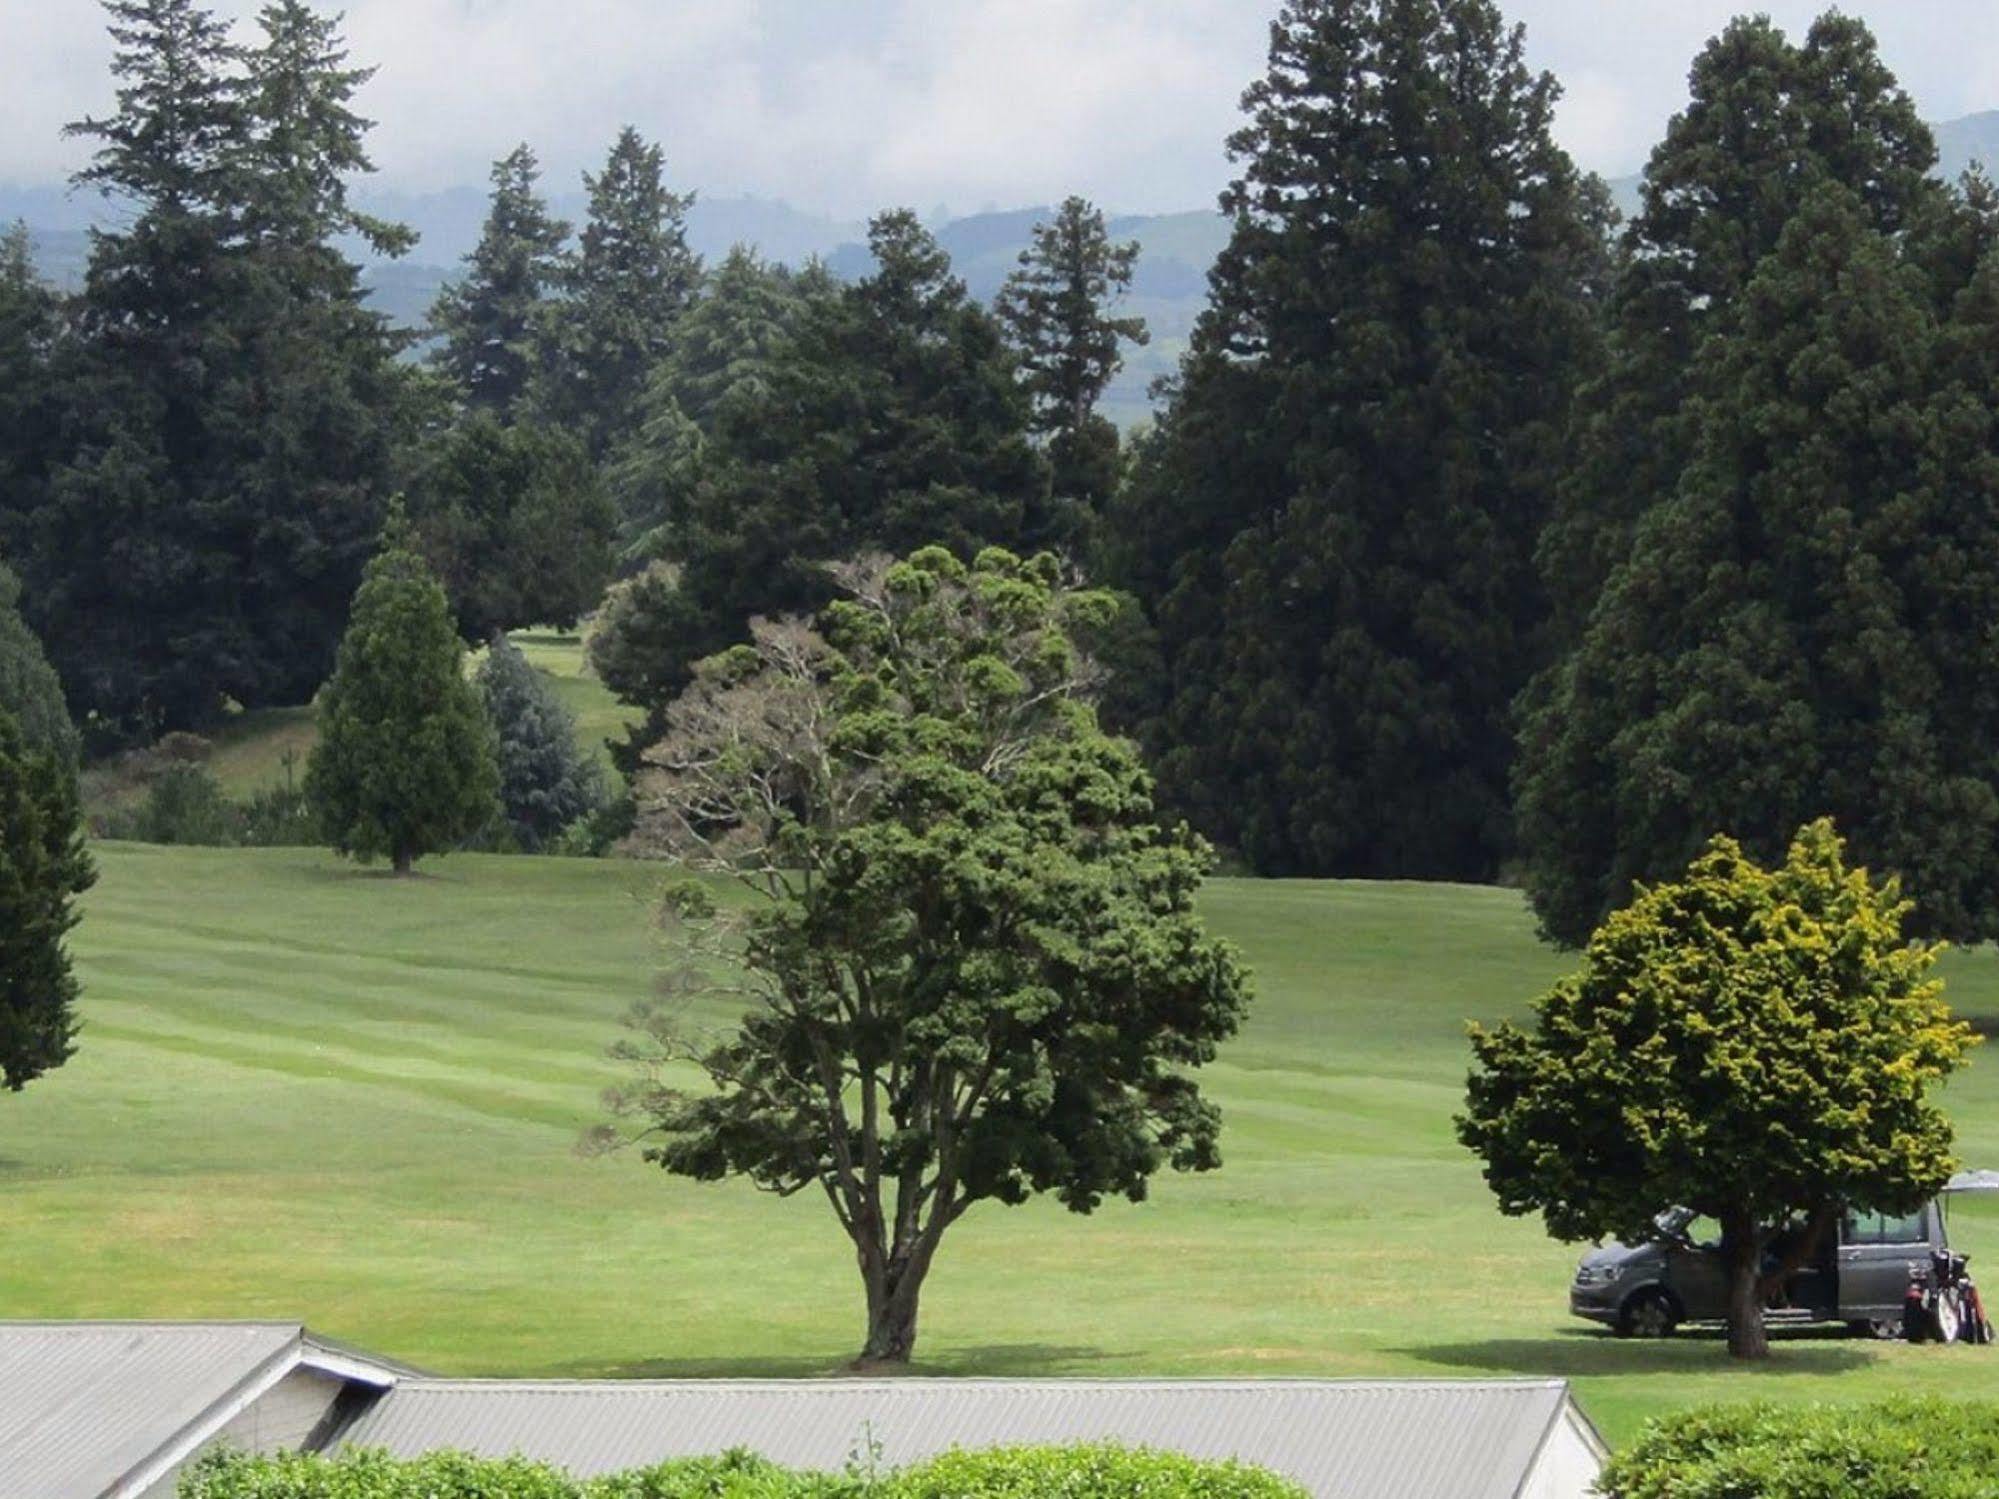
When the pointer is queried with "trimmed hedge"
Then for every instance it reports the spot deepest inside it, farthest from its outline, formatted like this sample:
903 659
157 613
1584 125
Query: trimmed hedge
1895 1449
1083 1471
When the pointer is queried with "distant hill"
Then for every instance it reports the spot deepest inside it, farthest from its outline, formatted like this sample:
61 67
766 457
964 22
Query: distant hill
1177 249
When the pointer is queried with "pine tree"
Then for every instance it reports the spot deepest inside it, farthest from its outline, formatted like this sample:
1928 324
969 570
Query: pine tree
1058 307
490 319
1768 123
43 868
234 410
547 781
1808 625
29 687
32 349
405 762
631 279
1333 531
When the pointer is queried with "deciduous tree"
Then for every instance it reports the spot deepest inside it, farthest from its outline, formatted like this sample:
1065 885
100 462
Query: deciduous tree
972 957
1756 1044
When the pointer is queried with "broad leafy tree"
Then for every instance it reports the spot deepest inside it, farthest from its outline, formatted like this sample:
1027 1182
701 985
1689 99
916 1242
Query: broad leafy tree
631 278
43 869
515 522
1756 1044
405 764
1333 531
1806 624
489 321
971 955
547 780
1060 307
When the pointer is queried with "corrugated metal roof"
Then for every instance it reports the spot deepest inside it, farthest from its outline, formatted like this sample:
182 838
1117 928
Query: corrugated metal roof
1455 1439
84 1403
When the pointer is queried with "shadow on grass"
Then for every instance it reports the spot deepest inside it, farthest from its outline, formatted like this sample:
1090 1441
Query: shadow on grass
1005 1360
1581 1354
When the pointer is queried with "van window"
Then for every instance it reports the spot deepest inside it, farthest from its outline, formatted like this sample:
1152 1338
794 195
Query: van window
1882 1228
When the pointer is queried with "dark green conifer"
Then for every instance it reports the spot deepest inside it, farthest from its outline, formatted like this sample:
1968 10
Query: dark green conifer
43 869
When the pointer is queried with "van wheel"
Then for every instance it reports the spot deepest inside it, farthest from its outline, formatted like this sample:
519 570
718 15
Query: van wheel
1878 1328
1648 1314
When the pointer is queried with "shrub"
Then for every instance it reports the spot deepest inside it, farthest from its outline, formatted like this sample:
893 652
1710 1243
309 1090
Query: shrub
1089 1471
184 805
1094 1470
1896 1449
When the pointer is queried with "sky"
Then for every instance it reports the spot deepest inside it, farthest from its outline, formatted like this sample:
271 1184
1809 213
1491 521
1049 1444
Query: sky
846 106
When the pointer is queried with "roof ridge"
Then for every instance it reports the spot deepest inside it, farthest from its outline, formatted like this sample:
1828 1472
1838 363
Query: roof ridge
837 1383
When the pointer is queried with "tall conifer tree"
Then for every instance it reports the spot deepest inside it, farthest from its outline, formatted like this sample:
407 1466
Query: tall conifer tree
1061 308
490 319
1333 530
631 278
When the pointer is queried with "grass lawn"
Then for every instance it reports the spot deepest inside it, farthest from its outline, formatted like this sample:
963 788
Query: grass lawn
309 1091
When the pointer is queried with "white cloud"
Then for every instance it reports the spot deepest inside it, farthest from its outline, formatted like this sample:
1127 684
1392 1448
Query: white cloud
845 105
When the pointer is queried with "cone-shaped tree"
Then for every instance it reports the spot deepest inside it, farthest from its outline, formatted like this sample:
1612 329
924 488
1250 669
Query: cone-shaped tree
1755 1044
489 322
43 868
547 780
1809 625
405 764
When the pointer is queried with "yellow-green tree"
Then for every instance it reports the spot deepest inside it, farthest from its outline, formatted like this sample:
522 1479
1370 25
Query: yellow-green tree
1756 1044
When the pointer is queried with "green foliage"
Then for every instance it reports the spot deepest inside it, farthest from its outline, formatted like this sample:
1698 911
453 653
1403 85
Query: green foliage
1805 628
490 320
1895 1449
405 761
1770 124
43 868
232 409
630 280
514 522
1754 1044
892 418
183 805
1333 530
721 354
29 687
1081 1471
967 916
1058 308
547 782
1086 1470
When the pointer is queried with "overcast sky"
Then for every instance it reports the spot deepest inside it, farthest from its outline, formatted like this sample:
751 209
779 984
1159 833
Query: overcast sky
844 106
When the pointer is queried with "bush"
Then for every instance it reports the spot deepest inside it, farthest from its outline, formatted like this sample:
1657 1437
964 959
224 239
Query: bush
1896 1449
1090 1471
184 805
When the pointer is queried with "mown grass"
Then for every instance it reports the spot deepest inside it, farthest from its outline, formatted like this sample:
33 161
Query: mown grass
307 1090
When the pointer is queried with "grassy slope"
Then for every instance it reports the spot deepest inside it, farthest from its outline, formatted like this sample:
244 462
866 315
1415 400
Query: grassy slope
308 1091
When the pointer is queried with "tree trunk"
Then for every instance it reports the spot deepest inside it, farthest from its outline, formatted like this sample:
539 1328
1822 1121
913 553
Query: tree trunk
1747 1336
893 1292
403 860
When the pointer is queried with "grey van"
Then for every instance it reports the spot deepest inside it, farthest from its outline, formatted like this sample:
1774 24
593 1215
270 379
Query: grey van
1860 1278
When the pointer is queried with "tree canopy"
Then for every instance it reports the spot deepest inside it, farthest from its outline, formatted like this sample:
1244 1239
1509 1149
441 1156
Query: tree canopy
547 780
1333 530
972 960
29 687
405 763
1756 1044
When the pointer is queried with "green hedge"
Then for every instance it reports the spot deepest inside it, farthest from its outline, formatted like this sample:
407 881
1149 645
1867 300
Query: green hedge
1087 1471
1896 1449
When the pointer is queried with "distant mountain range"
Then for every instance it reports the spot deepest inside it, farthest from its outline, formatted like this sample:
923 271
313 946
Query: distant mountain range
1176 249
